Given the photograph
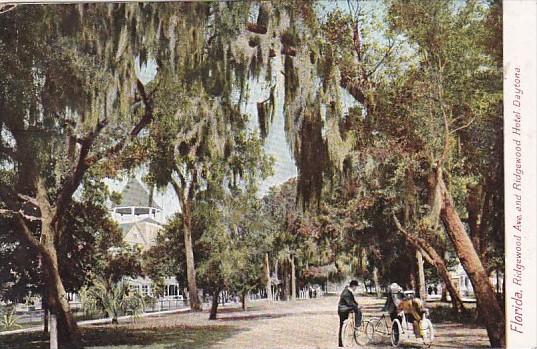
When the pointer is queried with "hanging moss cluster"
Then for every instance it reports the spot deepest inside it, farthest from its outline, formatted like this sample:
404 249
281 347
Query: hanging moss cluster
291 78
311 157
265 113
256 63
261 26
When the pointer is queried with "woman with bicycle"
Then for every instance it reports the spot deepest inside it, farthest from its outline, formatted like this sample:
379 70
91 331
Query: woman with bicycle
413 308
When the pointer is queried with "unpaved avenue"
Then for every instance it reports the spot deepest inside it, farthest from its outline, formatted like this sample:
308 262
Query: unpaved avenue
304 324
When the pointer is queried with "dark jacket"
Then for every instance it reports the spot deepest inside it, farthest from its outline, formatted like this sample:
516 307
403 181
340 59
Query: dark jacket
347 301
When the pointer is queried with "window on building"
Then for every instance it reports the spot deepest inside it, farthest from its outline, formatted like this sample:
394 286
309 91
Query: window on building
145 290
172 290
123 211
141 210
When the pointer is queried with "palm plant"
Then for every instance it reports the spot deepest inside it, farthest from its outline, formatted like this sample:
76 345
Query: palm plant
113 299
134 304
9 320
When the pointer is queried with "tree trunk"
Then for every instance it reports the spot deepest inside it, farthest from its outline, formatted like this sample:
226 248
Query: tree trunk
44 302
53 332
244 296
454 294
434 258
267 277
214 305
412 281
195 304
422 287
184 195
503 286
473 207
444 293
68 331
487 305
497 281
293 278
478 207
376 280
285 280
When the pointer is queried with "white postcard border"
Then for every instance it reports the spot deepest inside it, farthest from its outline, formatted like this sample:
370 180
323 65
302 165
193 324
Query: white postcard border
520 154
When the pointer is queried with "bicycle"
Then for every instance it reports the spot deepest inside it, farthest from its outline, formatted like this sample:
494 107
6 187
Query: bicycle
351 334
377 327
398 330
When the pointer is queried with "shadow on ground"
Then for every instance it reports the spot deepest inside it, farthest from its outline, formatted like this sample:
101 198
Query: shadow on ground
124 337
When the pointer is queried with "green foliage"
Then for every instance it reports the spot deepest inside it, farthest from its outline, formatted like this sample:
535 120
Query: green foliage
442 314
112 299
19 269
84 251
426 84
8 319
166 258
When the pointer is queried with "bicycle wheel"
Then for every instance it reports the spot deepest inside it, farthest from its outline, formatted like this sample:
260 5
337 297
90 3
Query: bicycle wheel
372 335
397 330
347 334
427 331
360 336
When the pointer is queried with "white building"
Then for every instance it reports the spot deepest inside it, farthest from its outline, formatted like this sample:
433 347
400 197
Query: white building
462 282
140 220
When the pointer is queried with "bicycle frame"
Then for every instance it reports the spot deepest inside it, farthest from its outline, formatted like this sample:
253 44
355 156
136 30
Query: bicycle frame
379 321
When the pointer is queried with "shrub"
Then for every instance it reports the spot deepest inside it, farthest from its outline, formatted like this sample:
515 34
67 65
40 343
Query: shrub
112 299
9 320
441 314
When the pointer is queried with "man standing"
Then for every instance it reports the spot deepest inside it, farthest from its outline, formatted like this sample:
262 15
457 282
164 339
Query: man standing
348 304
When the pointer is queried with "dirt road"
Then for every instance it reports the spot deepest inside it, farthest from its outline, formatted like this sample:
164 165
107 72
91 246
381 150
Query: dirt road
303 324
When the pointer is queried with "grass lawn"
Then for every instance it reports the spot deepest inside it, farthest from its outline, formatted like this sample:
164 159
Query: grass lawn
123 337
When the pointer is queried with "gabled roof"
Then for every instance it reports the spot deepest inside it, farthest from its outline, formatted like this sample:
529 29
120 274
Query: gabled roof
125 227
142 230
135 195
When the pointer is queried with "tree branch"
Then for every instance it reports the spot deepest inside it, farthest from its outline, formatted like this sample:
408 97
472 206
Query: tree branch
180 175
29 199
193 183
19 213
388 50
463 126
142 123
84 161
8 198
7 7
26 234
73 181
424 247
352 88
